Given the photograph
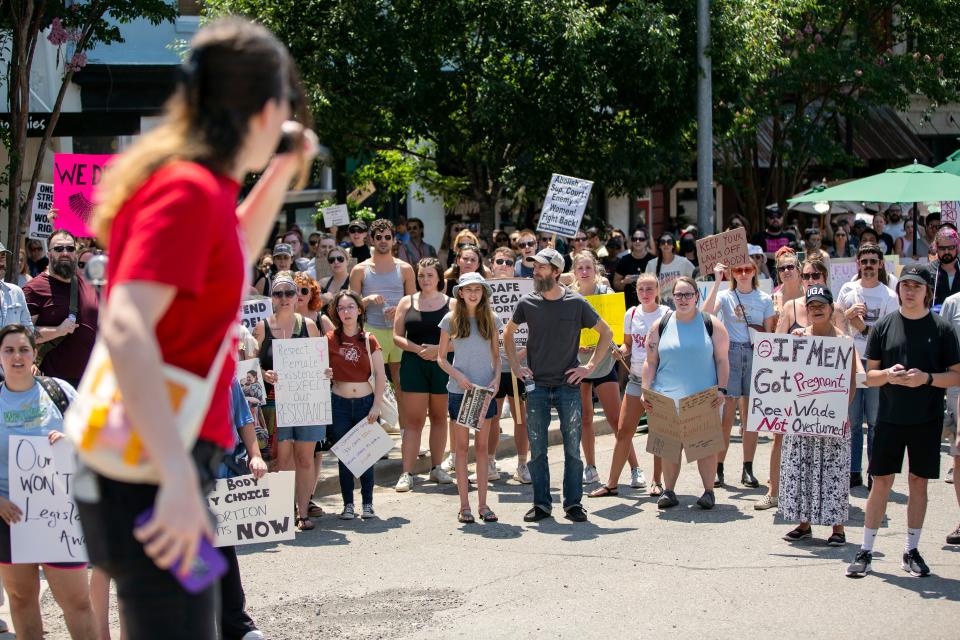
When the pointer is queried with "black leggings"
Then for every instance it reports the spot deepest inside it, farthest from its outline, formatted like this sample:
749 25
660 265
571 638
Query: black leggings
153 603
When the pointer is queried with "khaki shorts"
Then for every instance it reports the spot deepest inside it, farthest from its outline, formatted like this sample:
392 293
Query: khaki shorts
391 352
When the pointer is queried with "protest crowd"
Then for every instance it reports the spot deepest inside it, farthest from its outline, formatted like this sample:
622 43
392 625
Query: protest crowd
365 329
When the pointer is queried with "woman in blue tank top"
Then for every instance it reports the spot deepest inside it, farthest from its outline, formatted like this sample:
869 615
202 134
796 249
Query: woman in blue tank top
686 356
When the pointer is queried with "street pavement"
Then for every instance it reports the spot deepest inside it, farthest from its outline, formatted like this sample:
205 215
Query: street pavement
630 571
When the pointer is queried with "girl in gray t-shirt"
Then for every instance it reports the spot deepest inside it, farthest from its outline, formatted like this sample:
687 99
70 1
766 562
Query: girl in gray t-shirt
474 333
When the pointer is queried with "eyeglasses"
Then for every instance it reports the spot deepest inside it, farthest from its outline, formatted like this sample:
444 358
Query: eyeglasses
787 267
638 239
742 271
946 247
685 295
810 276
503 261
527 244
64 248
286 293
379 238
347 309
869 262
332 259
839 235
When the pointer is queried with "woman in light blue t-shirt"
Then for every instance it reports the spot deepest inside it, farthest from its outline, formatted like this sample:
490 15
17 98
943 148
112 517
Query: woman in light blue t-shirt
474 333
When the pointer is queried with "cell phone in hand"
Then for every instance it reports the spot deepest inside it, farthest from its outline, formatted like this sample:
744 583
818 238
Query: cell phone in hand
208 564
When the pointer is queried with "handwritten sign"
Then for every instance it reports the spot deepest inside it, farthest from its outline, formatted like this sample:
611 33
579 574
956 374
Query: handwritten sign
843 270
801 386
255 309
506 295
729 248
75 176
564 205
476 400
948 211
612 308
336 216
691 425
41 484
249 511
361 447
40 225
251 379
303 390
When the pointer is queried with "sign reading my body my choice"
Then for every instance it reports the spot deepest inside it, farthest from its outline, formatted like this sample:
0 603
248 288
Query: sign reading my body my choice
801 385
564 205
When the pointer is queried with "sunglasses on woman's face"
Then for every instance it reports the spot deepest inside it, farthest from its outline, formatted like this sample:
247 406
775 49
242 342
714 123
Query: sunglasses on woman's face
810 276
332 259
787 267
527 244
742 271
503 261
286 293
665 241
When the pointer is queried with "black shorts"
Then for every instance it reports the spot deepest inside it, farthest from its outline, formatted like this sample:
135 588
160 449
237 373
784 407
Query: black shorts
610 377
920 441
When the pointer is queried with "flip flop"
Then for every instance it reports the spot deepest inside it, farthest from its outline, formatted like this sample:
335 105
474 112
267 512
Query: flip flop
487 515
465 517
305 524
603 492
656 489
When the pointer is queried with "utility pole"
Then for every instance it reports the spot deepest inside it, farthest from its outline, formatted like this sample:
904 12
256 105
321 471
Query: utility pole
705 215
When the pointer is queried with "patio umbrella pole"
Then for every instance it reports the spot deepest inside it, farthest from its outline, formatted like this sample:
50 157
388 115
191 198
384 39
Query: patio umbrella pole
915 230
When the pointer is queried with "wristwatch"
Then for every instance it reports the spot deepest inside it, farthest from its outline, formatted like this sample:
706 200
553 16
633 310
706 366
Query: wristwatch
929 379
722 390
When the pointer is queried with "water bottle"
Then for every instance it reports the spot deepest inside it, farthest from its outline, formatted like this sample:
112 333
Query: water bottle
528 385
72 318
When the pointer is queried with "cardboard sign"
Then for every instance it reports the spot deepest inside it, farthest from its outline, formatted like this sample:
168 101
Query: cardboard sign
506 295
361 447
694 427
41 484
564 205
75 176
728 248
801 385
302 389
843 270
476 400
251 379
255 309
948 211
612 308
336 216
40 225
249 511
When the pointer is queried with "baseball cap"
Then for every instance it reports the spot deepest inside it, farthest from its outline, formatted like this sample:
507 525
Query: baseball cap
917 273
754 250
283 249
549 256
357 223
818 293
3 248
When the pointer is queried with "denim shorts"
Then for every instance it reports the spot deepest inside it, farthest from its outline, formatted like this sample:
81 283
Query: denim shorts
314 433
634 386
454 400
741 368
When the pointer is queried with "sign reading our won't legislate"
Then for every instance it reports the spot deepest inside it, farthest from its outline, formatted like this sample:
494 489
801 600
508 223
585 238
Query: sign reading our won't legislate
564 205
302 389
801 385
249 511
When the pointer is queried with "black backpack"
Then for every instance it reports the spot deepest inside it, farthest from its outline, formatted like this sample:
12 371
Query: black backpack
707 321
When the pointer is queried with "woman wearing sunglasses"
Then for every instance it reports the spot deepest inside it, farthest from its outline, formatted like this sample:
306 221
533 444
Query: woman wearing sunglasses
668 266
788 275
339 278
295 445
740 308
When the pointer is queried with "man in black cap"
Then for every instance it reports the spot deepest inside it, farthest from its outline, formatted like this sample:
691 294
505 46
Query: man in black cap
913 356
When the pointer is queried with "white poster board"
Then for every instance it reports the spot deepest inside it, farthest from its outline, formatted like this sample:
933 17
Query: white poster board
361 447
564 205
336 216
40 225
801 385
255 309
302 389
41 485
843 270
506 295
249 511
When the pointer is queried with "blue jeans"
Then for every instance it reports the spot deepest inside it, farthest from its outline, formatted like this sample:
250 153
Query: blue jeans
347 412
566 399
864 406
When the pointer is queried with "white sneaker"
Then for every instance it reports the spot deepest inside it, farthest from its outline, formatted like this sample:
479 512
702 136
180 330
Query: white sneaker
448 465
3 626
493 471
405 483
438 475
637 481
256 634
590 474
347 513
522 474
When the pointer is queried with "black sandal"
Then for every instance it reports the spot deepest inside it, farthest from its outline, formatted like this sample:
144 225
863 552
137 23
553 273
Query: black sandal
603 492
656 490
487 515
305 524
465 517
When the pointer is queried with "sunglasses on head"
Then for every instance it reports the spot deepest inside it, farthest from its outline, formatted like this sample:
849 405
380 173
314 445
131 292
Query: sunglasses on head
64 248
332 259
464 245
504 261
286 293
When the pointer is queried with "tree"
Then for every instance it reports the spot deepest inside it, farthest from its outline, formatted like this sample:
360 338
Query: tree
79 26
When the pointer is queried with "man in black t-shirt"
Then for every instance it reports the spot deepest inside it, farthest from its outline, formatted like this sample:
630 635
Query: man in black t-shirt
773 237
913 356
632 265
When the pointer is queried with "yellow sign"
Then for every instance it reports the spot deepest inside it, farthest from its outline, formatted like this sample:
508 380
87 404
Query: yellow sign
611 308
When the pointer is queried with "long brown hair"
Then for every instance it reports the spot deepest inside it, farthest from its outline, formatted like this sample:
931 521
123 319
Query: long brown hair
334 315
235 67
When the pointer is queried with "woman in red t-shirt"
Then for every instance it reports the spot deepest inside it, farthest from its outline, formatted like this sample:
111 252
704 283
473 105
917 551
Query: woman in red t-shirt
354 353
176 187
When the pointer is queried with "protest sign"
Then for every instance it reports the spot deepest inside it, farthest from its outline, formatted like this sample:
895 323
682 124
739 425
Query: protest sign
611 307
40 225
249 511
728 248
361 447
336 216
564 205
75 176
843 270
251 379
506 295
302 389
948 211
801 385
694 427
41 484
476 400
254 309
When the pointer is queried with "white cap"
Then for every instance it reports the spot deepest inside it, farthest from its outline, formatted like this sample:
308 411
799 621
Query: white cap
753 250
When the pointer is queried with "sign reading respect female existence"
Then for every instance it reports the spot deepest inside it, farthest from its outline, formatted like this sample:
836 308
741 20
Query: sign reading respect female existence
801 385
564 205
302 389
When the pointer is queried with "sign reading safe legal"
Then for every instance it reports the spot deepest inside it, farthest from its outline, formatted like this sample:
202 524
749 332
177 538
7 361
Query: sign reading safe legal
506 295
801 385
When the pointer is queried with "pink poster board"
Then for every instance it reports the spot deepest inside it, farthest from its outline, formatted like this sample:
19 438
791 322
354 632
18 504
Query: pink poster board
75 175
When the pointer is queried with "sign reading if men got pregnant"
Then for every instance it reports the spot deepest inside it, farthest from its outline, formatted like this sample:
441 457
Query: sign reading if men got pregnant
303 390
801 385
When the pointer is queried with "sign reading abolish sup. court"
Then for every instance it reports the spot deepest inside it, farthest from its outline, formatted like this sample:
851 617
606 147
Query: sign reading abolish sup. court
801 386
564 205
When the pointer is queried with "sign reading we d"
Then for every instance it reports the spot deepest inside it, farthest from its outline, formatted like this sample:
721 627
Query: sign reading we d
75 176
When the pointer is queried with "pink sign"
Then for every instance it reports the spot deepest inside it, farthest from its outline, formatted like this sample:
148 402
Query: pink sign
74 177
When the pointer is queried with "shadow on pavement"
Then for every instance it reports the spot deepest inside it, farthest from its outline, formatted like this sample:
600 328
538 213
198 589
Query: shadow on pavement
575 531
932 587
688 511
492 530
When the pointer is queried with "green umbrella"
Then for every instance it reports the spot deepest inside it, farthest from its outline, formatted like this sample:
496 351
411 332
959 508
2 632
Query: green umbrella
912 183
952 164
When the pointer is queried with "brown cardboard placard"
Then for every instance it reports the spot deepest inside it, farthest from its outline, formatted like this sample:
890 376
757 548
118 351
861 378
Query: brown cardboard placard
700 423
729 247
664 437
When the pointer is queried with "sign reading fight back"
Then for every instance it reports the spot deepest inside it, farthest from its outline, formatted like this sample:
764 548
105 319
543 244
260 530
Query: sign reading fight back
564 205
